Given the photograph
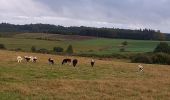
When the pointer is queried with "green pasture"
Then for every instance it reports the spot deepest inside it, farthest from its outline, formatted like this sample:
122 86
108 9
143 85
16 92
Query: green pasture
98 46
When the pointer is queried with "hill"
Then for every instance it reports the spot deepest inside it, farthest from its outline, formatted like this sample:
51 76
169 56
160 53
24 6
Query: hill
141 34
111 79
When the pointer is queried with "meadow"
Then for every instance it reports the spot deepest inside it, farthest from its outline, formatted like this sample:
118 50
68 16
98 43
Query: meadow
108 80
81 45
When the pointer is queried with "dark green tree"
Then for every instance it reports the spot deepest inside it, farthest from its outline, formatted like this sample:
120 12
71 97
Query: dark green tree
162 47
125 43
123 46
69 49
33 49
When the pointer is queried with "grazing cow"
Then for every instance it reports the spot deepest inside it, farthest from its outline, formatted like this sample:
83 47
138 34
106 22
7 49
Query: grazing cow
27 58
75 61
66 61
92 62
140 68
51 61
19 59
34 59
31 58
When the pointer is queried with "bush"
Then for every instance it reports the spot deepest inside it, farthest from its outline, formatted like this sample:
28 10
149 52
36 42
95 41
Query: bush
18 49
125 43
69 49
58 49
33 49
2 46
43 50
161 58
123 46
122 49
142 59
106 56
157 58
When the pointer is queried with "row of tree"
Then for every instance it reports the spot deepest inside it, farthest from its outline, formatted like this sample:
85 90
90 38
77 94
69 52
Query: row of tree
69 50
142 34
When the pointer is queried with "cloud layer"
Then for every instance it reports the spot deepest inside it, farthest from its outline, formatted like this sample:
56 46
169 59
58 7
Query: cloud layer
98 13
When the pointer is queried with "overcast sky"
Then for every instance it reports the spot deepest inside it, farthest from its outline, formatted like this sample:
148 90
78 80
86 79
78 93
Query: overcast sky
154 14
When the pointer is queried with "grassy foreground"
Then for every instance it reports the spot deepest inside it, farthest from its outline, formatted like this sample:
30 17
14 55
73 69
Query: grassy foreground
108 80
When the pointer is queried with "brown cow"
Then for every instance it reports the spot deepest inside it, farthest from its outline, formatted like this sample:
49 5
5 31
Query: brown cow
66 61
75 61
51 61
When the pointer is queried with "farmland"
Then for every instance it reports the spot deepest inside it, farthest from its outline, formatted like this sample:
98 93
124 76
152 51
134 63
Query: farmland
85 45
109 79
84 50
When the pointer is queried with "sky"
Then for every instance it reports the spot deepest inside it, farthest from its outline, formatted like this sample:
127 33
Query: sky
133 14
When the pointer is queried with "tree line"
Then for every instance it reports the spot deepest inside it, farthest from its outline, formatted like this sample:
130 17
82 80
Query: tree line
140 34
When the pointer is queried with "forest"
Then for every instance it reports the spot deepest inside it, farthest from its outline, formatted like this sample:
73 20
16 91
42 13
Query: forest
140 34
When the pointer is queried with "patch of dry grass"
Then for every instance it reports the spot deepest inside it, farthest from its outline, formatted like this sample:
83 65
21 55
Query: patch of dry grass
108 80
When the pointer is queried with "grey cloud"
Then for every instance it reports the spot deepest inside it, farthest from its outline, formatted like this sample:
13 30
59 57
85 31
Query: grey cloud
100 13
113 11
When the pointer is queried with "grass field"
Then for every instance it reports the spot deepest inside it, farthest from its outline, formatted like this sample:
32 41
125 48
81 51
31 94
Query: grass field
85 45
108 80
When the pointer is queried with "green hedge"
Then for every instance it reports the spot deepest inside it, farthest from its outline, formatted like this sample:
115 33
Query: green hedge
154 58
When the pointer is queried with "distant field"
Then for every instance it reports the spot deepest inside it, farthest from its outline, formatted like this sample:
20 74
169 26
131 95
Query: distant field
52 37
85 45
108 80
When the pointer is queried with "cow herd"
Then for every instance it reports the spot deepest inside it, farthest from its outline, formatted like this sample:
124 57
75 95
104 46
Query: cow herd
51 61
73 62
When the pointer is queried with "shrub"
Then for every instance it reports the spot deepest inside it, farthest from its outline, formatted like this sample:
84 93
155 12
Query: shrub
156 58
122 49
58 49
43 50
161 58
2 46
142 59
123 46
18 49
90 50
125 43
69 49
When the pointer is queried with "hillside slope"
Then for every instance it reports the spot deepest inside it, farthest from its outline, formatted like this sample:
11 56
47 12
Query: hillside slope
138 34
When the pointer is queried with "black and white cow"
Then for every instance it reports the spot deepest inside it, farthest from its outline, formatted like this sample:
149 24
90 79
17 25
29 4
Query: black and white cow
92 62
51 61
27 58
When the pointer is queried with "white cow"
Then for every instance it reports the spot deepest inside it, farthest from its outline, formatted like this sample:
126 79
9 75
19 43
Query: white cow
34 59
140 67
31 58
19 59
